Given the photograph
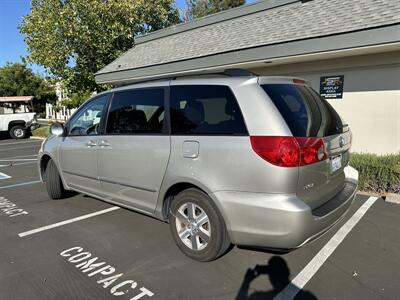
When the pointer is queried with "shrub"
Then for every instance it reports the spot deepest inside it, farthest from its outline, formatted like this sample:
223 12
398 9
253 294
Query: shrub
41 115
378 174
43 132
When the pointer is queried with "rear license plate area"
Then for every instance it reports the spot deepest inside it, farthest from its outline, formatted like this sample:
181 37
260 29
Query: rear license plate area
336 163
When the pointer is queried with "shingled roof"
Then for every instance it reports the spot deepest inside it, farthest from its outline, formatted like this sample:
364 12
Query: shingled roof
259 31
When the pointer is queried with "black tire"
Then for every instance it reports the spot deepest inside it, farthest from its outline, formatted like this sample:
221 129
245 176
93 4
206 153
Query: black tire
219 238
18 132
54 185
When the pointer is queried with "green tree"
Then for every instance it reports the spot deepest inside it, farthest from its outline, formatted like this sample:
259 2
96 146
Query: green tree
75 99
19 80
73 39
200 8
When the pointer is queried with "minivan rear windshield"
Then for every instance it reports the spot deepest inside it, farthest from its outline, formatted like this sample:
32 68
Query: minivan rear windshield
306 113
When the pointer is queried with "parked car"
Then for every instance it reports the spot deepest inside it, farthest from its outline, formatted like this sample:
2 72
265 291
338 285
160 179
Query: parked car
18 125
245 160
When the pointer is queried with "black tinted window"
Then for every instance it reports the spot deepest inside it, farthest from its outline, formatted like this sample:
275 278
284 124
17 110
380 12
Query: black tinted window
333 123
304 111
137 112
208 110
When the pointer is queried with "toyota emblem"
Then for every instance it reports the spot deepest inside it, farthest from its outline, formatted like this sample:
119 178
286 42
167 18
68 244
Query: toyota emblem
341 141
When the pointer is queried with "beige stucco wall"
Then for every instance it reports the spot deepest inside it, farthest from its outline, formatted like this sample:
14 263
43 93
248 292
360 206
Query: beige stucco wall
374 118
371 99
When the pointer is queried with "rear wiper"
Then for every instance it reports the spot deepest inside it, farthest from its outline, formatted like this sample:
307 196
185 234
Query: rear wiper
342 126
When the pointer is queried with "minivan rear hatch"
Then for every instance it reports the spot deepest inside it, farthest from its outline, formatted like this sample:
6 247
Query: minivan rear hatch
308 115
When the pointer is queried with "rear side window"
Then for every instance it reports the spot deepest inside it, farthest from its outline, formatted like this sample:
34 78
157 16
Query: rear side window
205 110
137 112
305 112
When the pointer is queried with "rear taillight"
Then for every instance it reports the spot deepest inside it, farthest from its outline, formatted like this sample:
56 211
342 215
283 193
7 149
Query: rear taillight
286 151
312 150
279 150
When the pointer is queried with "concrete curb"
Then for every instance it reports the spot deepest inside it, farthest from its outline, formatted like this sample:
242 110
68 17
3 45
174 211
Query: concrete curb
392 198
37 138
370 194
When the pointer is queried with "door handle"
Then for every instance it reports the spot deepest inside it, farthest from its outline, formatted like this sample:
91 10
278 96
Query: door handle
91 144
104 143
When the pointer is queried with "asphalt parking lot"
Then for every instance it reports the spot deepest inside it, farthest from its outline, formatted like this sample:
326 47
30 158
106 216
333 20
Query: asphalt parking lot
45 244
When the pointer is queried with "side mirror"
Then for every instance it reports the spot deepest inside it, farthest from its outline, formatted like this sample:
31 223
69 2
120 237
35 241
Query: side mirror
57 129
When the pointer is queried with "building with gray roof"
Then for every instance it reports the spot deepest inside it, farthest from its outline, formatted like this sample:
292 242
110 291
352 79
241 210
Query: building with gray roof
357 41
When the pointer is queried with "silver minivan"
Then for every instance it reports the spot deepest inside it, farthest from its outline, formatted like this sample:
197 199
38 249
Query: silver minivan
245 160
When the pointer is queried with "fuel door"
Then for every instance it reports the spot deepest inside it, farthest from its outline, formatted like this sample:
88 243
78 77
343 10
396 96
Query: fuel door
190 149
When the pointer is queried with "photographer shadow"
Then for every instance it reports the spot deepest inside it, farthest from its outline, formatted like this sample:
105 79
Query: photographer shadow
278 273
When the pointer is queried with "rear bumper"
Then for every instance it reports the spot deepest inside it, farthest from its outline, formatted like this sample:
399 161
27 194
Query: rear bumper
282 221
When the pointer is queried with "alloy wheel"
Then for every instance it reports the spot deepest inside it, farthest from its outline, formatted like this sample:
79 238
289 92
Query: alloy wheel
193 226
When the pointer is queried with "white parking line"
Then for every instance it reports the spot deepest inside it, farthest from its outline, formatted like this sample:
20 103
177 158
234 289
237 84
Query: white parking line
298 283
23 142
20 156
4 176
19 184
18 164
19 159
26 233
30 155
17 148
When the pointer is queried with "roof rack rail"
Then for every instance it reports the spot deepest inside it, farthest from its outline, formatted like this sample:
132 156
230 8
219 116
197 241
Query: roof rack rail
233 72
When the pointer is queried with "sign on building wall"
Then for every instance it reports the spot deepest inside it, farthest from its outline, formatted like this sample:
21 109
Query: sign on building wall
331 87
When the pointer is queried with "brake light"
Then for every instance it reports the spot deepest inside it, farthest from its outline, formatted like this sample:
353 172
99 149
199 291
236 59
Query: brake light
312 150
279 150
286 151
299 81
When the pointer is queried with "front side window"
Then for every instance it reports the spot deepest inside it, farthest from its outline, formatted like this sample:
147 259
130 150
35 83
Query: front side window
87 120
137 112
205 110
